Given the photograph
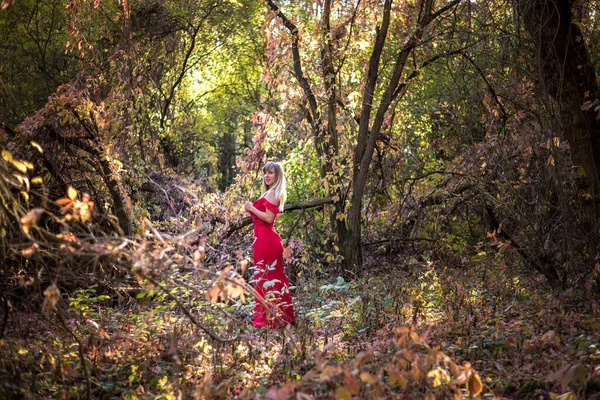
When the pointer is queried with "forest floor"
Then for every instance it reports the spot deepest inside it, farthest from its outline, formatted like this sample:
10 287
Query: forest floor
415 330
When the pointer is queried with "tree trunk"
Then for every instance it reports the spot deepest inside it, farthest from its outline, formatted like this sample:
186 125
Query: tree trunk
568 76
368 132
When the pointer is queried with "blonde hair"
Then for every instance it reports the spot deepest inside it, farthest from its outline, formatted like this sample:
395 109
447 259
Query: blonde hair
279 187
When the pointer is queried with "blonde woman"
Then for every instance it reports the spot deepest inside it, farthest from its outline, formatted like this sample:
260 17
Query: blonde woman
270 282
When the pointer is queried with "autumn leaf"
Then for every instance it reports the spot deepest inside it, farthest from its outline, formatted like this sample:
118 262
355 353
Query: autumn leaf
212 294
243 265
368 378
199 253
343 394
51 298
28 252
30 219
351 384
7 156
438 376
37 146
474 385
71 193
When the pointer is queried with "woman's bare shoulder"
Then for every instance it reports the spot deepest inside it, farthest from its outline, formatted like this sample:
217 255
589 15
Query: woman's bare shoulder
270 196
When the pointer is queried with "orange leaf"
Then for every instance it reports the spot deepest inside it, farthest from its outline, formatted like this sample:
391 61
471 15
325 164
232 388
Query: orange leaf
28 251
243 265
401 330
30 219
212 294
474 384
63 201
351 384
368 378
397 378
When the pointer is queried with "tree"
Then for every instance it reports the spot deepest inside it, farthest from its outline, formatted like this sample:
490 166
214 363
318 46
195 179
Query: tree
384 82
567 75
32 57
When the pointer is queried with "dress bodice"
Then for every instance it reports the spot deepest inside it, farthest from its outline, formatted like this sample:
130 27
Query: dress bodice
262 204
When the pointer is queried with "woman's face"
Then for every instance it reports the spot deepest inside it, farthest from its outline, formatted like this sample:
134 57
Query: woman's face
269 177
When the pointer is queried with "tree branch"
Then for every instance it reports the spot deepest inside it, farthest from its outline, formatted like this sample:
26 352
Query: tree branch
288 207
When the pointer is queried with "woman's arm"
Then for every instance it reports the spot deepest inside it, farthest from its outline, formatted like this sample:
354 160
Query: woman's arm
268 216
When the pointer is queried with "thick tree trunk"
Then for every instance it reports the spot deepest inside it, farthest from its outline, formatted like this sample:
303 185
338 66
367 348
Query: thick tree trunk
568 76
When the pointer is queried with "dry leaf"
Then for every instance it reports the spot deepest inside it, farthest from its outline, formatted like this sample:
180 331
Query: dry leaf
72 193
30 219
51 298
474 385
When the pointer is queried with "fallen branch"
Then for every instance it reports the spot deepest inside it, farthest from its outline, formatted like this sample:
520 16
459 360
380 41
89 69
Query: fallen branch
288 207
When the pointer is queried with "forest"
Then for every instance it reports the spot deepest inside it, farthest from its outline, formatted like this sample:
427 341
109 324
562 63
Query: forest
441 234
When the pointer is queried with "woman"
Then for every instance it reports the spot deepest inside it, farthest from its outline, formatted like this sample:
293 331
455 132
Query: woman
270 282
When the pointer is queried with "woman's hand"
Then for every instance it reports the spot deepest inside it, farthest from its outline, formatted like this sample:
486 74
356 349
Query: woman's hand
248 206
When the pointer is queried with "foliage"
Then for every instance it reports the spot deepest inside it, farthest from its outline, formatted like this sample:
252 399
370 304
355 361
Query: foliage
142 126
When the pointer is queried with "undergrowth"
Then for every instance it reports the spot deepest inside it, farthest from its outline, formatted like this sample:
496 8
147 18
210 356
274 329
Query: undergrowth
412 330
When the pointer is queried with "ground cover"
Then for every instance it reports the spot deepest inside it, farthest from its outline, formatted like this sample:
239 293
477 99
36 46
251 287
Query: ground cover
416 329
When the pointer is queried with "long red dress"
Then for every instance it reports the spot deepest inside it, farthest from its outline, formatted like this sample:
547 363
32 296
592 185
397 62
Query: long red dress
270 282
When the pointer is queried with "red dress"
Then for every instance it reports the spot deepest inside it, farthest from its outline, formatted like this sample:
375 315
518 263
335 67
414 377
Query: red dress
270 282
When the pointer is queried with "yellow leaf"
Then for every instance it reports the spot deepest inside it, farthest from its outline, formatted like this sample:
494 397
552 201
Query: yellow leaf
343 394
7 156
567 396
37 180
438 376
71 193
19 165
37 146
